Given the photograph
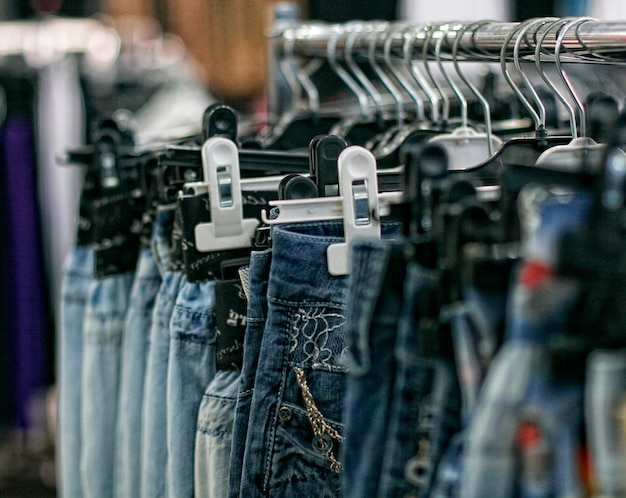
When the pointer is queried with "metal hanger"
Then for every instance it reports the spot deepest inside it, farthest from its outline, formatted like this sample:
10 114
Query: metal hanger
465 147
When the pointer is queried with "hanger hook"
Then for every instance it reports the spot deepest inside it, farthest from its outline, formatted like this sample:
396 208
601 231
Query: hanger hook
507 76
411 35
410 89
331 50
430 30
568 84
558 24
532 23
481 98
384 78
356 32
444 29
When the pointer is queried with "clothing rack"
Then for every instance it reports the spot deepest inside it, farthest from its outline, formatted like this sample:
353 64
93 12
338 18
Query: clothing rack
584 39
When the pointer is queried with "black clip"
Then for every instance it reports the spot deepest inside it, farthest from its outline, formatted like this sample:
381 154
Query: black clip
219 120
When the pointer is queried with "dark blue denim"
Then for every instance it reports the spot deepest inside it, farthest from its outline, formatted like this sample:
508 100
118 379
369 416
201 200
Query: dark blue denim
258 276
425 409
373 310
519 386
134 348
77 276
300 358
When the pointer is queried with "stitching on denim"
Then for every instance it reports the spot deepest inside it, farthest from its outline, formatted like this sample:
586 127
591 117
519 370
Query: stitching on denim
194 314
312 337
274 418
326 304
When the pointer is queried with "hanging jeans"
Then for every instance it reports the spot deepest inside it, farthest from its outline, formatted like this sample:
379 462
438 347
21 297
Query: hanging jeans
217 409
258 276
107 303
154 419
519 387
294 429
373 309
191 366
425 407
134 349
77 276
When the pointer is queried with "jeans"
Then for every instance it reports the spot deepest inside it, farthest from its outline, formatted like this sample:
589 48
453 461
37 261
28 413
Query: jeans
519 387
256 316
103 329
190 367
295 430
373 308
77 276
134 350
425 408
215 434
154 419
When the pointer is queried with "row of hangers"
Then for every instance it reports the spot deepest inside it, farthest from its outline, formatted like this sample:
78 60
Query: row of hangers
334 178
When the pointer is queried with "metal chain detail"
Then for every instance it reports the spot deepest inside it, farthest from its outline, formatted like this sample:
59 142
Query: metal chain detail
319 425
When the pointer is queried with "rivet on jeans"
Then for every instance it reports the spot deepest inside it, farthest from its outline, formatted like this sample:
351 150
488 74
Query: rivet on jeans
284 413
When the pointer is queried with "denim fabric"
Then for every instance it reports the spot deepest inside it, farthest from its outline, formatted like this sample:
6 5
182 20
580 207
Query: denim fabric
103 329
134 353
154 419
190 367
215 434
256 315
301 352
373 307
519 386
425 409
77 276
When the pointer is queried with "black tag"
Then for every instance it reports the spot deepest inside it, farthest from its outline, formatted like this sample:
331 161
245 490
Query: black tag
116 228
177 259
195 209
230 318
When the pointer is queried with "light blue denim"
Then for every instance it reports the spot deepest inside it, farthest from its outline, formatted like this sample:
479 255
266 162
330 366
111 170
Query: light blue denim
191 366
77 276
154 419
519 384
215 435
103 329
134 350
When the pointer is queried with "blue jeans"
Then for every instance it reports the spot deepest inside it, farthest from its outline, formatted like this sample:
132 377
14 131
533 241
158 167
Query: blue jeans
154 419
519 386
373 308
103 329
77 276
215 434
425 408
190 367
294 429
134 350
256 316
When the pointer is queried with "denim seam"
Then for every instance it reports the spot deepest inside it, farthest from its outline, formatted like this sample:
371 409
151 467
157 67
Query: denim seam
327 304
209 432
215 396
192 338
318 238
245 393
279 400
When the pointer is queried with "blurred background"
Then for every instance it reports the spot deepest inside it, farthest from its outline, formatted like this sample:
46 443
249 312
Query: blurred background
174 57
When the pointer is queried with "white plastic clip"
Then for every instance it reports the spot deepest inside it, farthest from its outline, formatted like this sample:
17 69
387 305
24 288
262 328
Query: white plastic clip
359 196
227 229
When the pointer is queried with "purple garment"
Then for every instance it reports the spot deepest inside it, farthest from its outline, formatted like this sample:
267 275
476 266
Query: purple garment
26 303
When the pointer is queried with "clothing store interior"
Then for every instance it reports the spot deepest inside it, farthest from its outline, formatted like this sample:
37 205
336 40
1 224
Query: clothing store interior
261 248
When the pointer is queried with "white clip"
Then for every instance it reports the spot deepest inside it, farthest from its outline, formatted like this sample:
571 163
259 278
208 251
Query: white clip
227 229
359 196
